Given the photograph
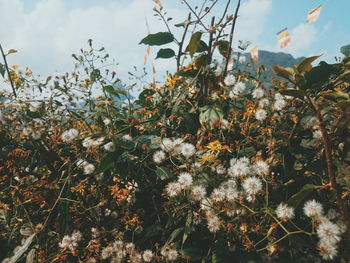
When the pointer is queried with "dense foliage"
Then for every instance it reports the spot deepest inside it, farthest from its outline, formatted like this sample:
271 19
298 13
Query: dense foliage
211 166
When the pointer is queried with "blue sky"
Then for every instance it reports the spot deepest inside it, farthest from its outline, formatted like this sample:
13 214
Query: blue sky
47 32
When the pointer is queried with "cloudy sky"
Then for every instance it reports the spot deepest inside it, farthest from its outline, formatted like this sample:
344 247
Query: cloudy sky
47 32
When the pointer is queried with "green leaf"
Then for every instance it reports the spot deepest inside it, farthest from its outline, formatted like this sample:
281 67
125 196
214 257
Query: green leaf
163 173
143 97
201 60
165 53
174 234
180 25
210 115
158 39
345 50
297 198
294 93
318 75
283 72
106 163
305 65
224 47
194 43
110 89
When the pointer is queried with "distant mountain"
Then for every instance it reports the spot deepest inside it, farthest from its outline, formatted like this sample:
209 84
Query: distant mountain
268 58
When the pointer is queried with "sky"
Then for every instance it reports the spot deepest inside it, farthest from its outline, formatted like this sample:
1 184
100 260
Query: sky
47 32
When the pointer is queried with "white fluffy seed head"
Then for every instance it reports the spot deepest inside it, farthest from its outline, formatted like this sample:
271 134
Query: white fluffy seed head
185 180
328 232
258 93
284 212
252 185
279 104
159 156
261 167
260 114
198 193
147 255
312 208
187 150
69 135
230 80
89 168
109 147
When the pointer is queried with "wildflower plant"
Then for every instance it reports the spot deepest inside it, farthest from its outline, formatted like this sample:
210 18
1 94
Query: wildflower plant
213 165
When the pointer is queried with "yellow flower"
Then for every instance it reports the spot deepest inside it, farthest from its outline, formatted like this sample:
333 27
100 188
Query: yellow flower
216 146
207 158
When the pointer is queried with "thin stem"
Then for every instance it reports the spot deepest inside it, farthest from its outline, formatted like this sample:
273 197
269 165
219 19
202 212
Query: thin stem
225 11
194 12
330 165
8 71
231 37
182 42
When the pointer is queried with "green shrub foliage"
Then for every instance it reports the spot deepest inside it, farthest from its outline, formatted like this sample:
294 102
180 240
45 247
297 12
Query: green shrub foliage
213 165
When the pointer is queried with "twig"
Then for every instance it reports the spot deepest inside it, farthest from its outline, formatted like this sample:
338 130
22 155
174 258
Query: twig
57 200
182 42
8 71
225 11
330 165
231 37
194 12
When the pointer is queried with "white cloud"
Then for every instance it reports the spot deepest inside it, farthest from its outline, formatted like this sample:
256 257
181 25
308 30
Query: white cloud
252 18
303 36
47 36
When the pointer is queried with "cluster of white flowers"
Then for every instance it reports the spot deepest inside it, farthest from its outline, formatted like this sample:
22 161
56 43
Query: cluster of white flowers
237 89
284 212
88 168
159 157
260 114
175 147
198 193
329 233
264 102
227 191
183 182
187 150
34 133
119 251
169 254
90 142
258 93
109 147
70 242
252 185
313 209
261 167
213 221
69 135
280 102
230 80
239 167
317 134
